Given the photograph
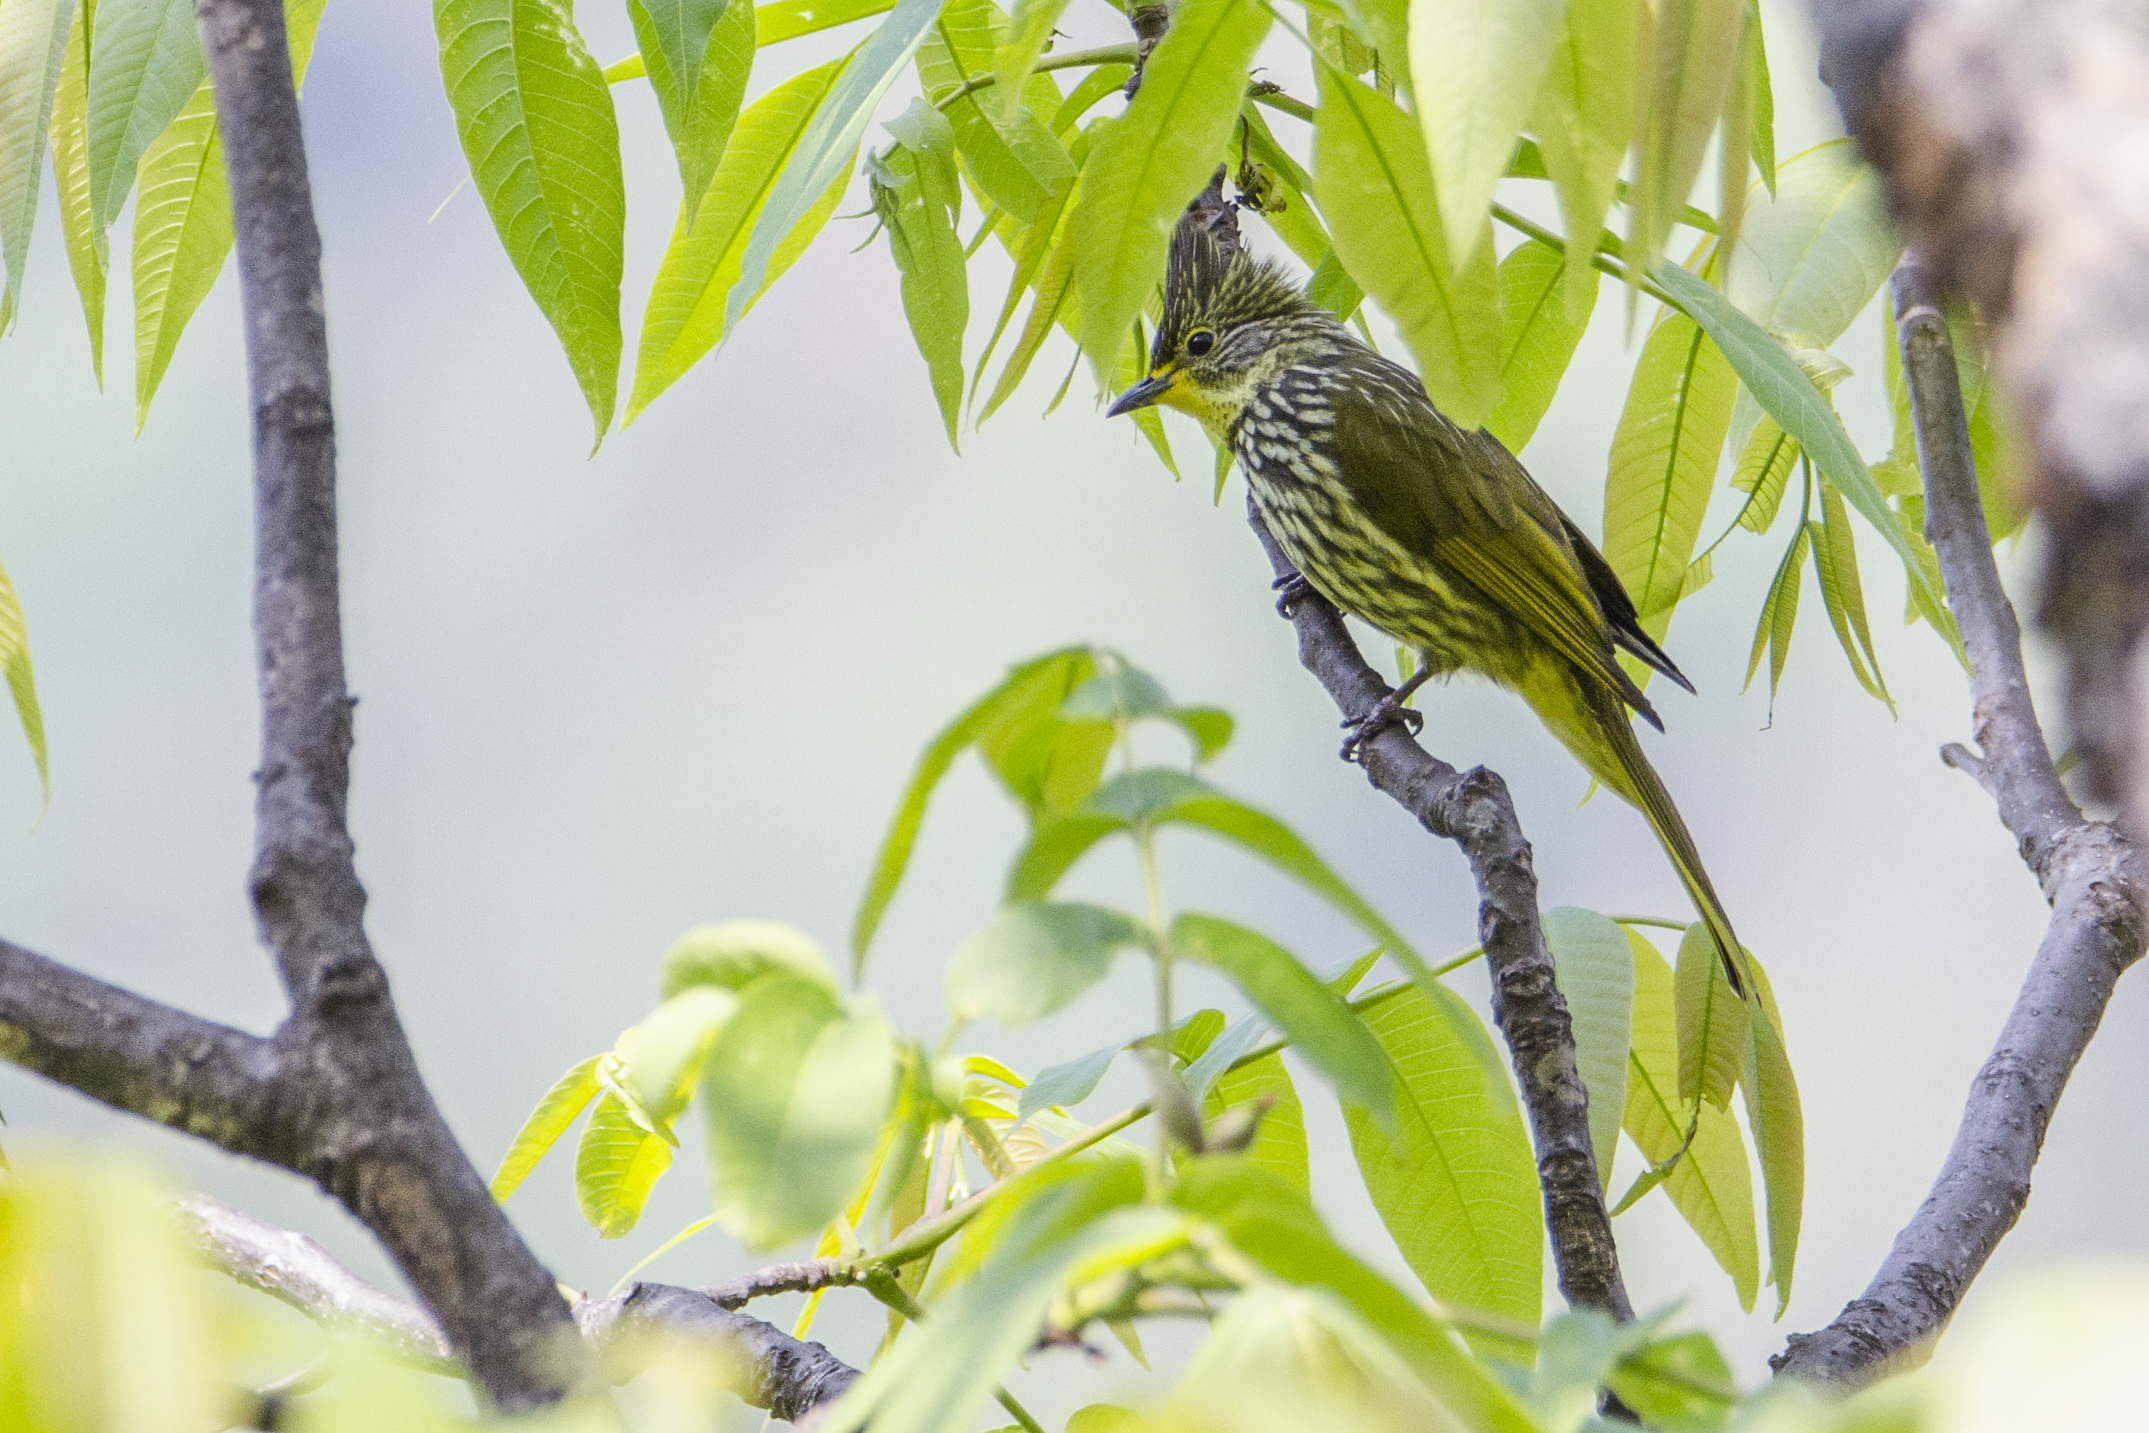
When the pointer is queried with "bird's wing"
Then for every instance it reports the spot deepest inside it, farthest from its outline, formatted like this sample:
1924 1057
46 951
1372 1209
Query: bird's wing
1464 501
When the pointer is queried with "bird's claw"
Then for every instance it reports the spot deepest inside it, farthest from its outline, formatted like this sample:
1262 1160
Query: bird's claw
1291 589
1387 712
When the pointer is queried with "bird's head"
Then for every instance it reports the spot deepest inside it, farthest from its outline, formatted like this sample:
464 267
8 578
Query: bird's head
1230 320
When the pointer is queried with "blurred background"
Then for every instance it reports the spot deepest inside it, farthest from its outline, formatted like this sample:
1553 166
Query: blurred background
606 697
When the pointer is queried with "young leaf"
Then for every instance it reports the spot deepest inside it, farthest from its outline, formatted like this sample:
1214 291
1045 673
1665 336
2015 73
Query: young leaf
1709 1183
1320 1026
1152 160
1279 1143
1596 974
33 42
920 215
732 955
1055 280
1672 1384
1029 31
1585 117
619 1162
1663 465
1713 1031
1031 959
1014 158
22 684
537 126
661 1057
821 158
554 1113
1925 585
145 62
698 53
71 174
1133 363
788 19
1762 142
793 1097
1835 563
1029 256
1376 189
1696 52
1068 1083
685 318
1540 335
1456 1185
1778 1124
1476 69
1779 614
1763 472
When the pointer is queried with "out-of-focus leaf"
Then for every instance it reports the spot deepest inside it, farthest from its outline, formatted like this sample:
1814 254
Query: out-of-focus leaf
820 159
1013 156
1152 160
1835 563
1540 334
1576 1351
1734 152
21 680
33 42
1713 1032
793 1097
1279 1143
1923 567
1995 444
1377 191
1778 1123
1476 69
1663 466
1068 1083
71 174
619 1162
1762 143
731 955
1710 1184
554 1113
1596 974
1585 118
661 1057
1033 958
1029 32
1030 694
1695 53
145 62
921 230
1320 1026
789 19
697 53
1456 1185
1665 1383
1779 614
687 303
537 126
1763 472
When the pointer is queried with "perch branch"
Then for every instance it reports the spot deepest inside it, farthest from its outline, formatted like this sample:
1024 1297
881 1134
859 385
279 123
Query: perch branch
1473 809
2090 872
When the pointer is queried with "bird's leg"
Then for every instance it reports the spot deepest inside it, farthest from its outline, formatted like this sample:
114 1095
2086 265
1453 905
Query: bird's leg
1388 711
1291 589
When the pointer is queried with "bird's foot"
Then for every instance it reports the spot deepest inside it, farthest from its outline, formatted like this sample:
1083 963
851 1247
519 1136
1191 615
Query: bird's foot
1389 711
1291 589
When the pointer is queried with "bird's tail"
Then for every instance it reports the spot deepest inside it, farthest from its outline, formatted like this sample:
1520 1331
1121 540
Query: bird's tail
1596 727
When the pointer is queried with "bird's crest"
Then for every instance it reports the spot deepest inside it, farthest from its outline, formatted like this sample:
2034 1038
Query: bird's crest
1211 278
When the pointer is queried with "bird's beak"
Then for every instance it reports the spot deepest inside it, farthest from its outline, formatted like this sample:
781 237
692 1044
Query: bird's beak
1150 390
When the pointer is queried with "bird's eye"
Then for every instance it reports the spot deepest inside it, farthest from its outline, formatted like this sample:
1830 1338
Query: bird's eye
1199 342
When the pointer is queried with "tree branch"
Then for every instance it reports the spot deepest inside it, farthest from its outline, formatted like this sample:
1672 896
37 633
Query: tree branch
2090 872
1472 809
623 1332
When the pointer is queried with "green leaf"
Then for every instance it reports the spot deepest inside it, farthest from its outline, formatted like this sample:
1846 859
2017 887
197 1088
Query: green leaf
1068 1083
1319 1025
698 54
1778 1124
701 265
1279 1144
33 43
1029 34
71 173
1763 472
145 62
1995 445
1030 694
21 682
1476 67
1133 363
1710 1184
793 1096
1029 254
1787 394
182 219
1011 153
1663 466
1665 1384
619 1162
1925 582
732 955
1540 335
1377 191
1054 282
537 126
1835 563
1596 974
661 1057
1585 117
789 19
1031 959
920 214
1779 613
1762 144
1457 1184
1695 54
1576 1351
554 1113
1146 166
821 158
1713 1031
1265 1220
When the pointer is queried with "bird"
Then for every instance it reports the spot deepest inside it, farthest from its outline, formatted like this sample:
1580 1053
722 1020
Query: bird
1436 536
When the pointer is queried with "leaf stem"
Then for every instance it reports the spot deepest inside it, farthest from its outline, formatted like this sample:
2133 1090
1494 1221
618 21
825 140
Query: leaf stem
1599 260
1073 59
